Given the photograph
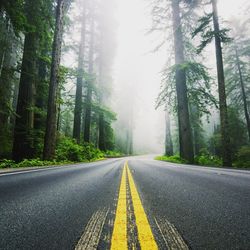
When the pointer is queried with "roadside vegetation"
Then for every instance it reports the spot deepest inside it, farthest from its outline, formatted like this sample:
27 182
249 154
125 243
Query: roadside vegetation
51 113
67 152
242 159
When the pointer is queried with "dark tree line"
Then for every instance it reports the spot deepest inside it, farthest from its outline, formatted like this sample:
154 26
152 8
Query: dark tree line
33 82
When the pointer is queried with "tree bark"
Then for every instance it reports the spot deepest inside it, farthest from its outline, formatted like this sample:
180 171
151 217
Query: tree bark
185 134
5 103
88 110
101 141
23 132
168 137
242 84
225 137
79 82
101 122
51 123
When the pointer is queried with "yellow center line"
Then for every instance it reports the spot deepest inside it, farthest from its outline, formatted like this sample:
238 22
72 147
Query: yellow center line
145 234
119 236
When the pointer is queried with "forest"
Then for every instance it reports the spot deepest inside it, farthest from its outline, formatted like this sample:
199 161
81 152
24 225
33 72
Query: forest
57 83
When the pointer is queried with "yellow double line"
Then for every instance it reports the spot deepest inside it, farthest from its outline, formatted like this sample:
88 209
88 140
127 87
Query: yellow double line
145 235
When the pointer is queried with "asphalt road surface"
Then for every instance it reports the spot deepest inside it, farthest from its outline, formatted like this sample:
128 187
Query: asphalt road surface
126 203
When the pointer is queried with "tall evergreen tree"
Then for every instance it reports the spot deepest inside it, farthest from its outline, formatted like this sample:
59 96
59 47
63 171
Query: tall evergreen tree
225 137
23 146
80 78
90 81
51 123
220 35
185 134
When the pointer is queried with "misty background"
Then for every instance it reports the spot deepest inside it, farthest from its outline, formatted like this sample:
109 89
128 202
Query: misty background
138 67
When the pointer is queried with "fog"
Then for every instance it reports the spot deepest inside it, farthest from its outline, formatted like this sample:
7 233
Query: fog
137 72
137 69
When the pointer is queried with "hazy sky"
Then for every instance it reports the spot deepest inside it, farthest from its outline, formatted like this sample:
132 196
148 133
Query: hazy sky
136 66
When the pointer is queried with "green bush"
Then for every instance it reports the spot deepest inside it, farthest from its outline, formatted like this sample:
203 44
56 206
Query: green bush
68 150
243 157
204 160
25 163
6 163
110 154
208 160
174 159
33 163
91 153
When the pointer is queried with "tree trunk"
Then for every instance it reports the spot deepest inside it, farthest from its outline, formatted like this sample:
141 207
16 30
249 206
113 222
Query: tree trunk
23 132
101 141
88 111
196 128
5 103
4 29
168 137
41 89
129 146
185 135
51 123
87 125
225 137
242 84
101 122
79 83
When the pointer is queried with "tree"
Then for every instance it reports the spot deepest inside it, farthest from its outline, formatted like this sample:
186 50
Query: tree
90 80
51 123
237 69
168 136
105 56
226 153
185 135
6 84
23 139
79 81
220 35
243 91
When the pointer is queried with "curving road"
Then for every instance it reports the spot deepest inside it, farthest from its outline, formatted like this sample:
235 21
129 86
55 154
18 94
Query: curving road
58 207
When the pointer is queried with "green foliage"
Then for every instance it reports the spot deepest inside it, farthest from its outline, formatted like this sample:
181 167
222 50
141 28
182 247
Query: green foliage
68 150
208 160
91 153
207 33
237 130
173 159
33 163
243 157
15 12
205 159
25 163
113 154
214 142
235 58
6 163
198 87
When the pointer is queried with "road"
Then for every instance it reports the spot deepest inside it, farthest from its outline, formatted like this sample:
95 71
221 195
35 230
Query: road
126 203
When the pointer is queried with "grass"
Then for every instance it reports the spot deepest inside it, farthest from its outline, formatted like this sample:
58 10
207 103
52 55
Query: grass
203 160
173 159
39 163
